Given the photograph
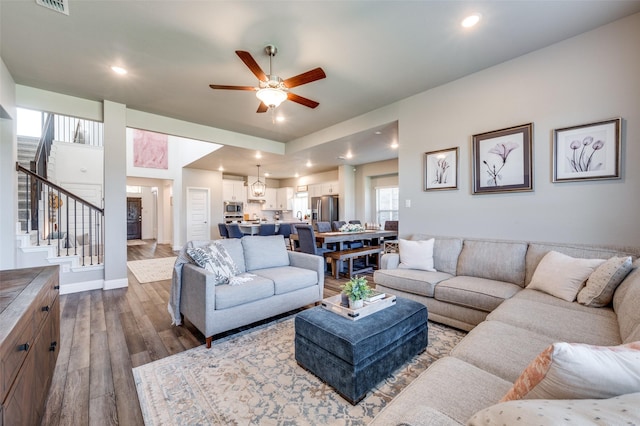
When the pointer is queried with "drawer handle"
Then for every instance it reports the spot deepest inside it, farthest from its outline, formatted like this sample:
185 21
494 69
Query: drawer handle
24 347
56 287
45 309
53 346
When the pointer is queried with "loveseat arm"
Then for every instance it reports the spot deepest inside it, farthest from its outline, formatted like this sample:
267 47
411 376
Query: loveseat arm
390 261
308 261
198 295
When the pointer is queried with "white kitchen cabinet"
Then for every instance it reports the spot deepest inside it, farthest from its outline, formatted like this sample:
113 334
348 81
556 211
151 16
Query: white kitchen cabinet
284 198
315 190
270 198
330 188
234 190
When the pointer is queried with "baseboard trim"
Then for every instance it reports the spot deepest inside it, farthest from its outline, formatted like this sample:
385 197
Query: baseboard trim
113 284
82 286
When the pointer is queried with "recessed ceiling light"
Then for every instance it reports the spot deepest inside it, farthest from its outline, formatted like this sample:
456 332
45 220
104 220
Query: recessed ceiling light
221 169
471 20
279 119
296 175
266 174
258 154
394 145
349 155
308 163
378 132
118 70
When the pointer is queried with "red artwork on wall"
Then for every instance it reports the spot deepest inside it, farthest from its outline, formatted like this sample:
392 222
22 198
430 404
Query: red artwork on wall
150 150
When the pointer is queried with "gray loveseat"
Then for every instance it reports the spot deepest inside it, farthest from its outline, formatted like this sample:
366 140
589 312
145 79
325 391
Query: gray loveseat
283 280
480 286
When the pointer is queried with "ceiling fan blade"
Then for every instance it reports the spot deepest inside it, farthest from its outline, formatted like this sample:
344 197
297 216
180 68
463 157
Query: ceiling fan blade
302 101
252 64
262 107
305 77
219 86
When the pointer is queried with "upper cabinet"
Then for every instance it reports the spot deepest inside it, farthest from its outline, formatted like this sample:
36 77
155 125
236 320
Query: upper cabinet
327 188
234 190
270 199
284 198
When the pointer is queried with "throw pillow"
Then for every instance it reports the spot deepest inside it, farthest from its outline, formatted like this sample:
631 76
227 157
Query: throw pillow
562 276
619 410
416 254
215 259
579 371
603 282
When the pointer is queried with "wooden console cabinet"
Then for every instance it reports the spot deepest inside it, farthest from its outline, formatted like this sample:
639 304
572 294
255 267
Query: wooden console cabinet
29 338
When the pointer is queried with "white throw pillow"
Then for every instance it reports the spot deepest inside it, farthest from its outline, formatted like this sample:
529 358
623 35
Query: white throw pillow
603 282
416 254
562 276
579 371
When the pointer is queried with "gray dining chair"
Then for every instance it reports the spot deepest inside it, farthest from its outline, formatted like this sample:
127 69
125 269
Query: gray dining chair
337 224
307 241
234 230
222 229
267 229
323 226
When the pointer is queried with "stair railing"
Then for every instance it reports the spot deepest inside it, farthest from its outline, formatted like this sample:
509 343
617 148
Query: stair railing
62 216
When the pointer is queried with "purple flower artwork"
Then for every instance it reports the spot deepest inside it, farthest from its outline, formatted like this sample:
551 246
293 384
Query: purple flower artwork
583 152
150 150
494 169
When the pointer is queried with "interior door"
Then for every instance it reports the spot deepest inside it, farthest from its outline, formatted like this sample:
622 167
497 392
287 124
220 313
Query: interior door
198 227
134 218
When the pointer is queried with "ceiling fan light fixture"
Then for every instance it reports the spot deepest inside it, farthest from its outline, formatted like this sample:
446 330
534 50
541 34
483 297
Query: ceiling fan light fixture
271 97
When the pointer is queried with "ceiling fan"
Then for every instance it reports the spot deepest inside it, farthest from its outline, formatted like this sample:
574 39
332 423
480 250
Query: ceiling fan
272 90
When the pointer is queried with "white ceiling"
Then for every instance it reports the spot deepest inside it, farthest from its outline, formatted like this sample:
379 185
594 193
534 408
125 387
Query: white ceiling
373 52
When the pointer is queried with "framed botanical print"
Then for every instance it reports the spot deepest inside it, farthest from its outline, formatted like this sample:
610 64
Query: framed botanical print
502 160
586 152
441 169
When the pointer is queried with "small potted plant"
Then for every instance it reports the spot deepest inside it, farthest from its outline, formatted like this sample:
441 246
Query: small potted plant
357 289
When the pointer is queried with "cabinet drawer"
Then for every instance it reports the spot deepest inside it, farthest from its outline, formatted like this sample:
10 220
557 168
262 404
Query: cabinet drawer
14 351
43 304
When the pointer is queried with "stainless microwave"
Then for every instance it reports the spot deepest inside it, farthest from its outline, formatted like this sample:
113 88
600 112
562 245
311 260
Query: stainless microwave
232 207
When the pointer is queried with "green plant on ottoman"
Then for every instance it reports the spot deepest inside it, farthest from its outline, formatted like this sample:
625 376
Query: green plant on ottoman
357 290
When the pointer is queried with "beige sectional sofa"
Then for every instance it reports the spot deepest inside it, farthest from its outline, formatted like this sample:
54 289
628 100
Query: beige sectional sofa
480 285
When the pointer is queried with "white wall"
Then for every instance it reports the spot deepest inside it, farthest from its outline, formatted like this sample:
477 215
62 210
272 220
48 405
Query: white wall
8 158
591 77
365 182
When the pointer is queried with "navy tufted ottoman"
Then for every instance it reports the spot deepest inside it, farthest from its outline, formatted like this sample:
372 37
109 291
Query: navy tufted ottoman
354 356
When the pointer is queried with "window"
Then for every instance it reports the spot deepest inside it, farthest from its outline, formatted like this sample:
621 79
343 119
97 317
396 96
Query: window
134 189
29 123
386 203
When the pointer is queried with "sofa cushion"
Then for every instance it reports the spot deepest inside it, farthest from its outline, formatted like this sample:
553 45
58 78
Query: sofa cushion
235 250
410 280
501 349
451 386
289 278
562 276
579 371
619 410
541 297
445 252
262 252
416 254
477 293
626 303
598 291
537 251
560 323
493 260
258 288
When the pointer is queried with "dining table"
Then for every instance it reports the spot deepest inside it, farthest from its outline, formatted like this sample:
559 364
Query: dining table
338 238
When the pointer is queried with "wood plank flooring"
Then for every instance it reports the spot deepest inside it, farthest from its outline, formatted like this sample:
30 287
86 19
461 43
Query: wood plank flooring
104 334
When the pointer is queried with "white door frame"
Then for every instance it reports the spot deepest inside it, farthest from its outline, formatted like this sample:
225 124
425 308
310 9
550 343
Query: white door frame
207 193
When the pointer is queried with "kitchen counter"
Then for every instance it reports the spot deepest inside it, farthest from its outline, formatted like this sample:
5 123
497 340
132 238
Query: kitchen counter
253 228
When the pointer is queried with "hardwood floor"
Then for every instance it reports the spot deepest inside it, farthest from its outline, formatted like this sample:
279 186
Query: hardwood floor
104 334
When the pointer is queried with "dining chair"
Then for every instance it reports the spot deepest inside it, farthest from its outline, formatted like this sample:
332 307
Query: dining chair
285 230
222 229
234 231
391 225
307 240
323 226
267 229
337 224
355 222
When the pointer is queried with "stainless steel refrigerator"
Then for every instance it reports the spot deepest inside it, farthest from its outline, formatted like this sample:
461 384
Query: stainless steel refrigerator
324 209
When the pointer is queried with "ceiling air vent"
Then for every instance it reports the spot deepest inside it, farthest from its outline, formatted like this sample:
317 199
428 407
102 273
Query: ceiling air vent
61 6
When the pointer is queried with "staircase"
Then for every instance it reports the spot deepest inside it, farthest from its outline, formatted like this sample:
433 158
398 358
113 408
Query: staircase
69 229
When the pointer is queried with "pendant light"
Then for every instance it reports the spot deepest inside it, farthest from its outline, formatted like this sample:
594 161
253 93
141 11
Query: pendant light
258 188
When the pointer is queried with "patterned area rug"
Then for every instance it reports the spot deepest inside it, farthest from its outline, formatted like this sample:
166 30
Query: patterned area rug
253 378
150 270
